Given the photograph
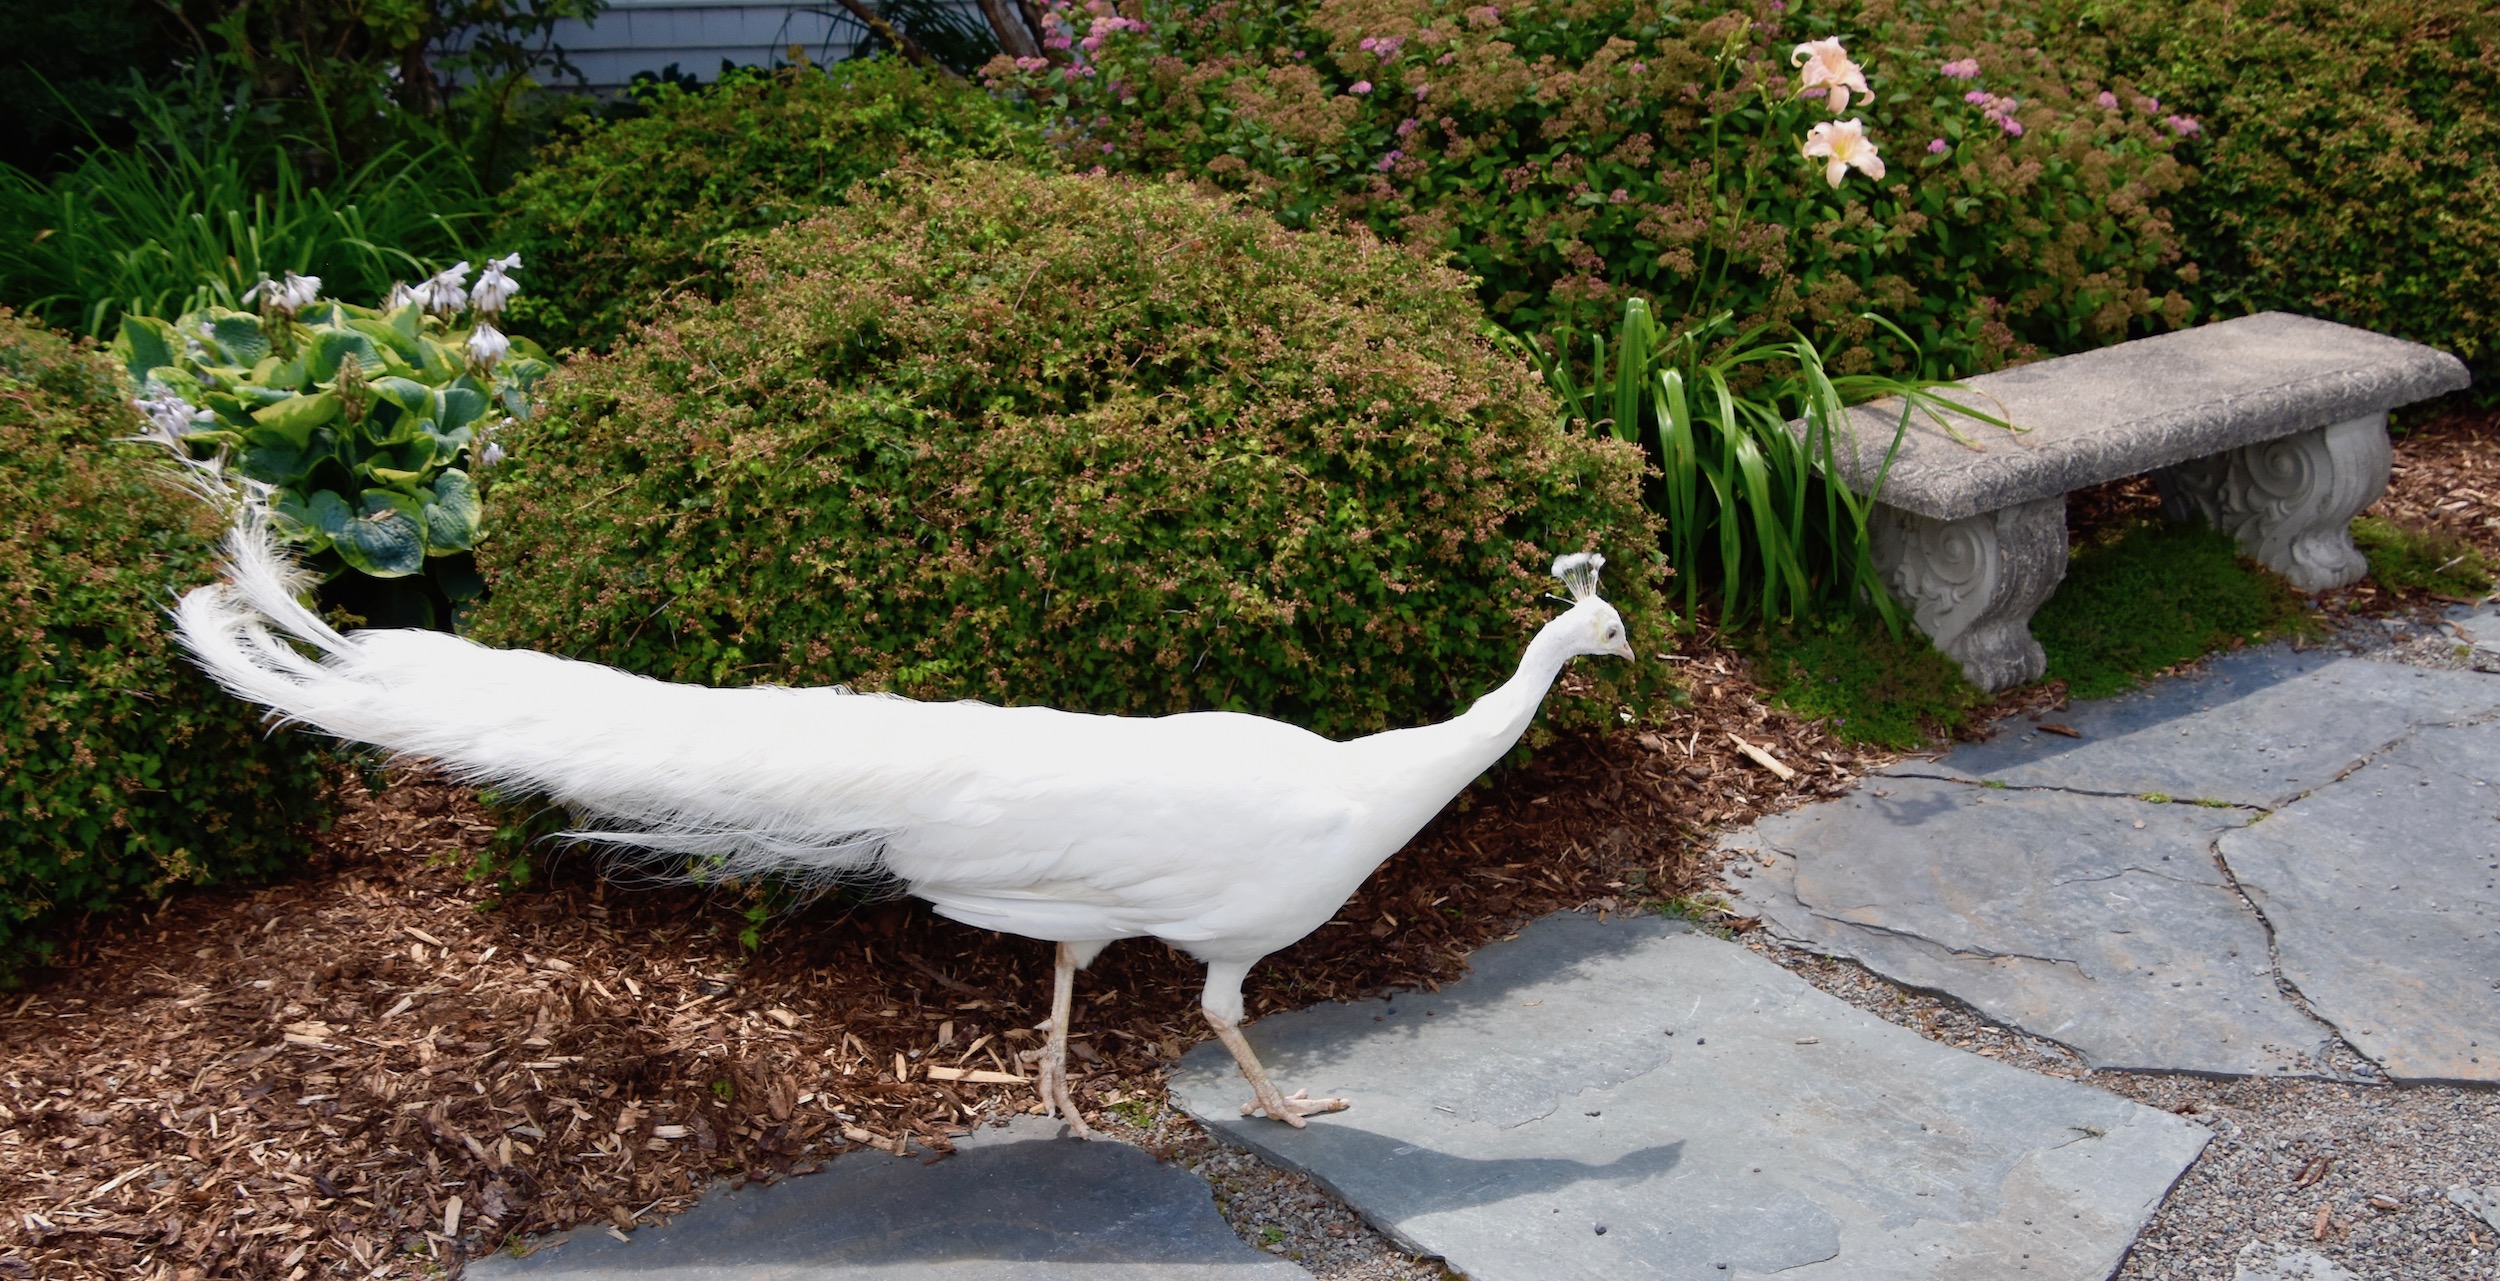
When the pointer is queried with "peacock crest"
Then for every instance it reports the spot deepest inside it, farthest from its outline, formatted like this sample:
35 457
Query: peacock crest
1578 571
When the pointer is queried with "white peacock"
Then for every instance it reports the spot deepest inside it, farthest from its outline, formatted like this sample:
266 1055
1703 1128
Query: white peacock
1226 835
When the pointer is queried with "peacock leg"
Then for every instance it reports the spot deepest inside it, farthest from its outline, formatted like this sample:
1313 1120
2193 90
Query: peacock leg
1053 1085
1221 1003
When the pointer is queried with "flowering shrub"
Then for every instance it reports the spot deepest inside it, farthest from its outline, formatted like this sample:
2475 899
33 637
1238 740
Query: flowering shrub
1573 153
123 770
1090 442
2345 150
371 424
625 211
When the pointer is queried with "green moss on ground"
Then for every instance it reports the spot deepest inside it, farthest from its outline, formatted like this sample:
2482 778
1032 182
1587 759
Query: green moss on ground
2144 597
2151 595
2407 558
1868 685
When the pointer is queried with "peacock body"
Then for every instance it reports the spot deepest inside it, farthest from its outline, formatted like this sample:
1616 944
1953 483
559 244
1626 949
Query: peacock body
1228 836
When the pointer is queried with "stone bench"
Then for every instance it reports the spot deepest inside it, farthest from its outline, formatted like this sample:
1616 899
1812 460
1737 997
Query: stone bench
2273 428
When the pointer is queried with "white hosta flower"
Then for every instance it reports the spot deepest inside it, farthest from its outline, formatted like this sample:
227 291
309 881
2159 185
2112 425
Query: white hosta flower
487 347
1825 66
445 292
1843 145
290 295
495 286
169 416
399 296
491 455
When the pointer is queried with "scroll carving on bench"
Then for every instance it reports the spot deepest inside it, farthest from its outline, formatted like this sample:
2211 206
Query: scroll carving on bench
2272 428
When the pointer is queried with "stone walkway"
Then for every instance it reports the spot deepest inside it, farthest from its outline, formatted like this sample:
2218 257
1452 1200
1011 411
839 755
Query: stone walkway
2240 873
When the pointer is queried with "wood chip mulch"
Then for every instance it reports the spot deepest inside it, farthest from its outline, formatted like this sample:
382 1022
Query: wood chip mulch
380 1068
2446 475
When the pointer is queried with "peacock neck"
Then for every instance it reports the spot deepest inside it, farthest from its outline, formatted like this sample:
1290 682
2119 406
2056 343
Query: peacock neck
1414 772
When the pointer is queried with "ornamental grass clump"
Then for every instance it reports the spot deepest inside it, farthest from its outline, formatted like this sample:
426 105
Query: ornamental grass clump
1091 442
124 772
1572 154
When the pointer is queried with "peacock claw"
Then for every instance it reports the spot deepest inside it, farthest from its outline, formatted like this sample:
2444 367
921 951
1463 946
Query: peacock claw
1291 1108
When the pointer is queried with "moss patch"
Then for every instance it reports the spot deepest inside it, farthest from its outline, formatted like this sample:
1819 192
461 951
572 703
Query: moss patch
2407 558
1867 684
2150 595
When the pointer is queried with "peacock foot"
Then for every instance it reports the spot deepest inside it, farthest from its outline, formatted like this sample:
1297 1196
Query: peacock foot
1051 1083
1291 1108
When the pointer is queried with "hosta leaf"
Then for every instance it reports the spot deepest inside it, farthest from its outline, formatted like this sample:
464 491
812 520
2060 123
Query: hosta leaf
461 407
389 340
296 416
278 462
334 347
146 343
452 514
295 520
238 335
387 538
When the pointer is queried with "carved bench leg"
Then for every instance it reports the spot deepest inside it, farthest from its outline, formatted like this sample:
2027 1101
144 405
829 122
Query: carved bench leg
1973 583
2289 502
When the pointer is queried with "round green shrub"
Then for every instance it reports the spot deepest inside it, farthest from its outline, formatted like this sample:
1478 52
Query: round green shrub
625 210
123 770
1093 442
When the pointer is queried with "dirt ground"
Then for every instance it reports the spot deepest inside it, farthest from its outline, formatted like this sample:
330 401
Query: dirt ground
382 1067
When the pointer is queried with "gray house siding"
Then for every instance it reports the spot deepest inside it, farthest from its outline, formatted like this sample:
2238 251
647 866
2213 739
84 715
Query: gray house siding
696 35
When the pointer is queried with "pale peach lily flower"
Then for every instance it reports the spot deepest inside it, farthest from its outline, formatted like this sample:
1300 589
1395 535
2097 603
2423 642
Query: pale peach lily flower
1824 65
1842 145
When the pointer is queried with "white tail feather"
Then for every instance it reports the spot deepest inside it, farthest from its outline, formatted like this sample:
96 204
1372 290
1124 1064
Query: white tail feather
536 724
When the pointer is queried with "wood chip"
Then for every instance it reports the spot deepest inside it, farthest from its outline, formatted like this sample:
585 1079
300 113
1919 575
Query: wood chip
975 1076
2063 730
1762 758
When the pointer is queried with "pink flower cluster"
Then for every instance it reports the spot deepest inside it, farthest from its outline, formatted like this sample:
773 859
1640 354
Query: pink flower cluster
1381 47
1390 160
1997 111
1965 69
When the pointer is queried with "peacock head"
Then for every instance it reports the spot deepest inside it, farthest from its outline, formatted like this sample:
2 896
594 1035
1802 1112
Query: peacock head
1591 626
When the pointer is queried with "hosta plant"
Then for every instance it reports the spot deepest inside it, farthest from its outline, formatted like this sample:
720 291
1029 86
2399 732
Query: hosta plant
370 425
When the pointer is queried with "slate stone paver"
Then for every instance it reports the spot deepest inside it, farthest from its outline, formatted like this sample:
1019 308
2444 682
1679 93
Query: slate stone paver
2252 730
2102 923
1630 1099
1013 1204
2266 1261
2384 892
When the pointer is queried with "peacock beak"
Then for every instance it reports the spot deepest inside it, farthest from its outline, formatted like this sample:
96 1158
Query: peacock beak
1623 649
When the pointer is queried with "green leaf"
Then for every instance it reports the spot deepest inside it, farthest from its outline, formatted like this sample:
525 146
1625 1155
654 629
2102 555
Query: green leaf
387 539
452 514
278 462
146 343
296 416
238 335
334 347
296 516
462 406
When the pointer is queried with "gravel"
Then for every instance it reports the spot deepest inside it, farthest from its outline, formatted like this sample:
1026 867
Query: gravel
1275 1210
